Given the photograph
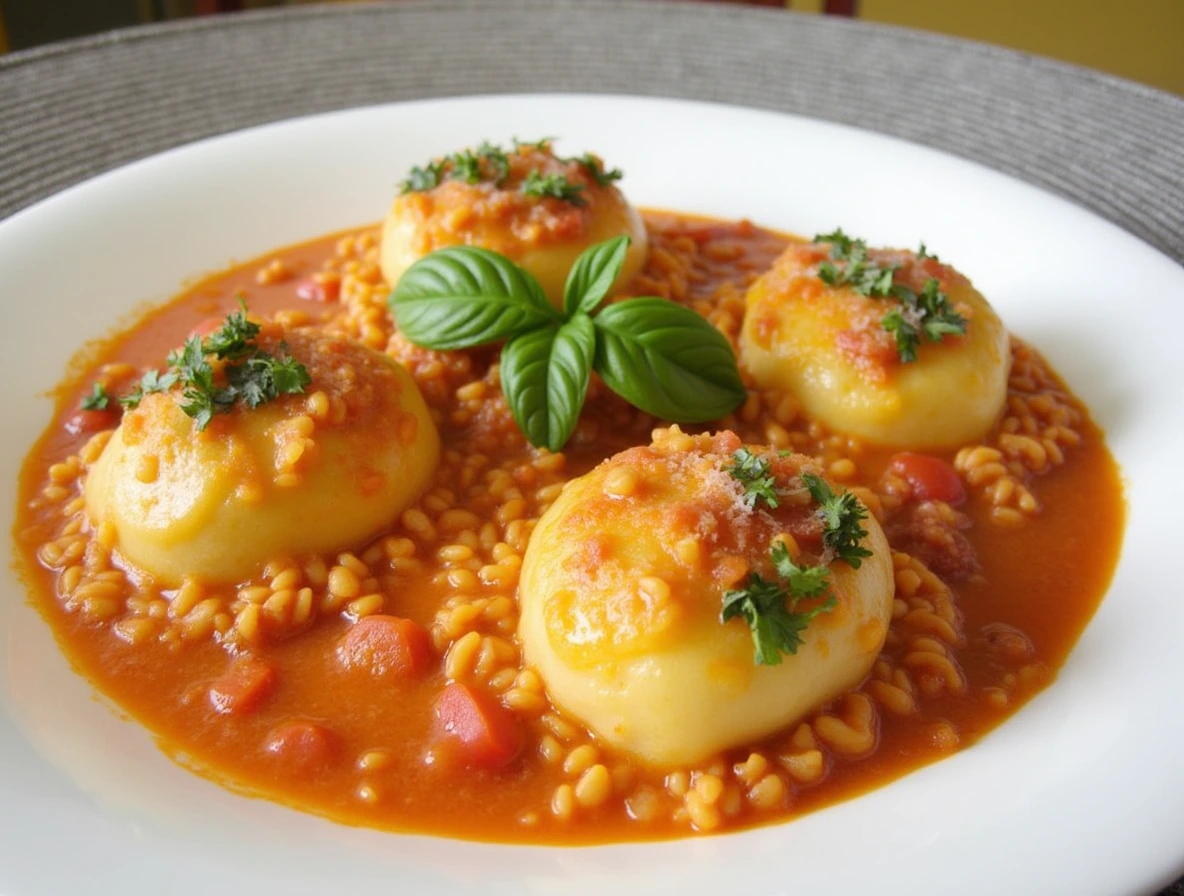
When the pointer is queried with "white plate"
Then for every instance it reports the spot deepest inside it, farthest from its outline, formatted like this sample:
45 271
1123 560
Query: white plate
1082 792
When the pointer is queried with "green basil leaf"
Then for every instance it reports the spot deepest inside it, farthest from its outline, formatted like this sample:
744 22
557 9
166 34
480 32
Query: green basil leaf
592 276
464 296
545 378
667 360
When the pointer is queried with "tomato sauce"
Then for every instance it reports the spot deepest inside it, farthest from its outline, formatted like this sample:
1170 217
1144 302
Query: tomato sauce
291 720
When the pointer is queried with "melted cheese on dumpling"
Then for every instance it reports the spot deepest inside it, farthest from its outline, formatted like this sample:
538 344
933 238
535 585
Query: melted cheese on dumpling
827 345
622 589
544 235
311 473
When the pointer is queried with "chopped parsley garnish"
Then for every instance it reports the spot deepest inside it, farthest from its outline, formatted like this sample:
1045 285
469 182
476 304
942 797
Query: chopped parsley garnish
937 315
252 376
199 398
554 186
466 166
234 339
97 400
923 253
420 179
152 381
907 337
841 516
754 474
595 168
262 378
929 315
495 160
841 245
489 163
857 271
804 581
770 606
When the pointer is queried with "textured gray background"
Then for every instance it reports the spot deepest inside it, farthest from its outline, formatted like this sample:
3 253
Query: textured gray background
72 110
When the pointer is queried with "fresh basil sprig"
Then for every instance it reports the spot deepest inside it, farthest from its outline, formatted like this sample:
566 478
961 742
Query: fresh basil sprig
661 357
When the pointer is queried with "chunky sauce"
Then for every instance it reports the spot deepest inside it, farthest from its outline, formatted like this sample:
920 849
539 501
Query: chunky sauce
1018 613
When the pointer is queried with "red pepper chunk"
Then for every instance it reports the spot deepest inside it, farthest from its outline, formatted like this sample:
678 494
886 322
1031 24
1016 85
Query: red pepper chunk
386 644
302 746
314 290
487 733
88 421
244 686
931 478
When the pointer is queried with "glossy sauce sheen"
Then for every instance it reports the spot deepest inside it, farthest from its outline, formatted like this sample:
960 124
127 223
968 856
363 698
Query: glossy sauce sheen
1045 579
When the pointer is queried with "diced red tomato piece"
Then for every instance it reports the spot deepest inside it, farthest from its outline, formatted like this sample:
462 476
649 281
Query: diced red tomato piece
302 745
488 734
314 290
93 421
244 686
386 644
931 477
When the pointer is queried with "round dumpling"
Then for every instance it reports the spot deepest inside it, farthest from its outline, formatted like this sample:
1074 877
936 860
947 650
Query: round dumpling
829 346
537 209
306 473
626 576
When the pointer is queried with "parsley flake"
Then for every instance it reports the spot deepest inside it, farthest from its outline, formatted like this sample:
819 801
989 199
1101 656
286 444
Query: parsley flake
841 516
804 581
263 378
420 179
97 399
595 168
858 271
489 163
235 338
251 375
554 186
202 402
152 381
906 335
496 160
466 166
770 606
938 316
754 473
929 315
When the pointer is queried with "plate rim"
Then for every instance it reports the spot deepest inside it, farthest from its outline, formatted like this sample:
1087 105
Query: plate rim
7 226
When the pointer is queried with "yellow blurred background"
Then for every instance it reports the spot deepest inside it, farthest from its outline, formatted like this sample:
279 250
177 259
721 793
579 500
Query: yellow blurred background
1138 39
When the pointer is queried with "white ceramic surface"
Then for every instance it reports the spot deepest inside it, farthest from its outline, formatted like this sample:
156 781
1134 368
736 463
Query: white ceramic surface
1082 792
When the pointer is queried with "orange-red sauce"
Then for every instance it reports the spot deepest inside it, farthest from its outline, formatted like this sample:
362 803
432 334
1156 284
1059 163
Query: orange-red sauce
1043 579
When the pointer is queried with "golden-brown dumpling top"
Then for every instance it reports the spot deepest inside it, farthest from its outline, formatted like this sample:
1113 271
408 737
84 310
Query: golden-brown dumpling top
624 583
830 347
536 208
306 473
